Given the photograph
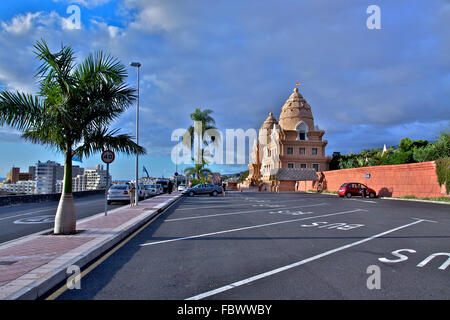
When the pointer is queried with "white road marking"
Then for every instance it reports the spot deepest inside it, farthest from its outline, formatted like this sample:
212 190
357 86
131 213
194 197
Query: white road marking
367 201
426 220
17 215
239 212
296 264
247 228
47 209
230 205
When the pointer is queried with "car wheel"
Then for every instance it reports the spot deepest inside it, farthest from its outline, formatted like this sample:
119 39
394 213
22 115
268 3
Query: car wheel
348 195
214 193
191 194
372 195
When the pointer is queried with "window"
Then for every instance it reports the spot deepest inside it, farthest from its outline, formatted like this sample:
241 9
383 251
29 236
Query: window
316 166
303 165
290 150
290 165
314 151
302 151
302 130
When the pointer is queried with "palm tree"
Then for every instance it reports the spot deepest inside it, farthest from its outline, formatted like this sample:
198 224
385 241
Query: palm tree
198 170
72 112
208 123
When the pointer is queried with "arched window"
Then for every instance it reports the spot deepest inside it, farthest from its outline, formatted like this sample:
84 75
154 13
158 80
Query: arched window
302 129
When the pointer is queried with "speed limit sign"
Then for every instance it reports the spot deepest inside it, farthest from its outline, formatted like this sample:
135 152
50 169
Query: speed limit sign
108 156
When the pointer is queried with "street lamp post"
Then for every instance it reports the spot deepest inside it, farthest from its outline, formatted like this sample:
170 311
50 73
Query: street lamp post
137 65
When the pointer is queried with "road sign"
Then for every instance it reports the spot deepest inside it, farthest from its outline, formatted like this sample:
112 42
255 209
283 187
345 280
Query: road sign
176 174
367 175
108 156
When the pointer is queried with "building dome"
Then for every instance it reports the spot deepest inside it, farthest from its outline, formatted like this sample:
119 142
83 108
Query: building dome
270 121
267 125
294 111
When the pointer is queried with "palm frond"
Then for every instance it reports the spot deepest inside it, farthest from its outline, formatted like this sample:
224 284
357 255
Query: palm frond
20 110
100 139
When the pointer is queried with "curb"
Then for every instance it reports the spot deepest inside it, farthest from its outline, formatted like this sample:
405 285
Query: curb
54 275
416 200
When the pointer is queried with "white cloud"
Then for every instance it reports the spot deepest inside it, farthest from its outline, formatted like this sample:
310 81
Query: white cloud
21 24
85 3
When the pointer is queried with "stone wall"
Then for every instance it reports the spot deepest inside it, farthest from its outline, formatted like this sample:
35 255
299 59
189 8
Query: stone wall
418 179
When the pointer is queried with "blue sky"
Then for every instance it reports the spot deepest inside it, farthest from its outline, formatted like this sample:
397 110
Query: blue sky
242 59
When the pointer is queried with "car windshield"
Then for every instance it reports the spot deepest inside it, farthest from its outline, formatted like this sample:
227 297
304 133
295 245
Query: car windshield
120 186
345 184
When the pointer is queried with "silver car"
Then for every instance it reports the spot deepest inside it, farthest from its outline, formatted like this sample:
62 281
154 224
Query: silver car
151 190
118 192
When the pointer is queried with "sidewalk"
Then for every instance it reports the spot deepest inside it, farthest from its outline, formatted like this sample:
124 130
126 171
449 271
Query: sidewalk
32 265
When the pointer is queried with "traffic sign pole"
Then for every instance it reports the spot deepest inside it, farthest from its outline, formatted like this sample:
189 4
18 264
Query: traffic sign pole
107 188
108 157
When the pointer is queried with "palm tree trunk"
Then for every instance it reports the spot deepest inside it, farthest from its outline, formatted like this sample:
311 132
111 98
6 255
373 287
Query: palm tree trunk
65 220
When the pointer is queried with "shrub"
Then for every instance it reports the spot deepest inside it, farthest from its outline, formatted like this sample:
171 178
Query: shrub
443 172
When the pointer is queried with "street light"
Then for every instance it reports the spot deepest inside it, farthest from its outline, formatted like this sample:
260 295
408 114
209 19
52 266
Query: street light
137 65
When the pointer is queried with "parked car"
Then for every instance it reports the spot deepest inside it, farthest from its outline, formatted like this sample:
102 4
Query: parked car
160 188
354 189
118 192
151 190
142 192
164 184
204 188
181 187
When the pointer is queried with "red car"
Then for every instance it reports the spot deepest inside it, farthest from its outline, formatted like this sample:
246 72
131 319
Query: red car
354 189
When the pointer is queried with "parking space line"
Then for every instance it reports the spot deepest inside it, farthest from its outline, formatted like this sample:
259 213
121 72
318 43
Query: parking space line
247 228
241 212
296 264
231 205
366 201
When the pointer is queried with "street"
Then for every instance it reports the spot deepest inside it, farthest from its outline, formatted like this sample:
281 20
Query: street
281 246
21 220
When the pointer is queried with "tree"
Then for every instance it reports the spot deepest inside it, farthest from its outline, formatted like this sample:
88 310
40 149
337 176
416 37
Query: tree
434 151
72 113
198 170
208 123
243 175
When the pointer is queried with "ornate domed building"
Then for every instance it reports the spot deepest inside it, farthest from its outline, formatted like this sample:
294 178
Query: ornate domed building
293 142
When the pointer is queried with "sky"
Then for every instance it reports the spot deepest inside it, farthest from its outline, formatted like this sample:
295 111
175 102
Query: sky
242 59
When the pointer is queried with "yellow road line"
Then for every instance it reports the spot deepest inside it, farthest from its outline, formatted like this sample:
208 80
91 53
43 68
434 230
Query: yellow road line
61 290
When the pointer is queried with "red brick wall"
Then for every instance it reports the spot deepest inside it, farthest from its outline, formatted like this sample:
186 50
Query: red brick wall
418 179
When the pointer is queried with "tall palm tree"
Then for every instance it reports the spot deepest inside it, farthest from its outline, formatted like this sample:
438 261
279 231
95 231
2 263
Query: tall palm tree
208 122
72 112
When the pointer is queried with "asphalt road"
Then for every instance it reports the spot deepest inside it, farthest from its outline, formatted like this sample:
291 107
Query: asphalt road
286 246
21 220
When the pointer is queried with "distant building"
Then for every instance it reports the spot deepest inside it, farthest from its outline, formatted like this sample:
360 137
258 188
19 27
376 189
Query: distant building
15 176
32 172
96 178
79 183
21 187
47 174
76 171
